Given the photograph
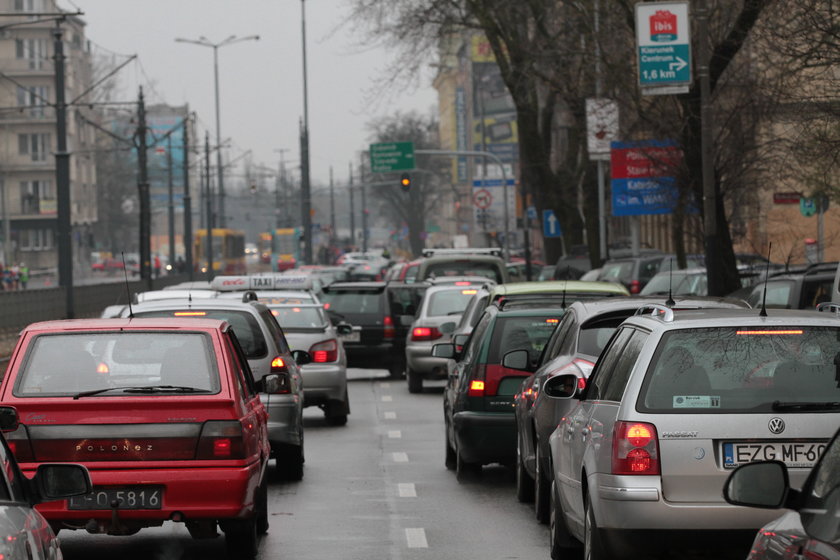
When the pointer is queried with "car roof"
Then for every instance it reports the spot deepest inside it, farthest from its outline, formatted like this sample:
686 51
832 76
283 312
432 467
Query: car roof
735 318
201 304
67 325
530 312
598 306
449 288
557 287
351 285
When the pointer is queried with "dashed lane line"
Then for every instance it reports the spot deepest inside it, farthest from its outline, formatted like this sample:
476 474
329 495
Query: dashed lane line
389 415
387 398
394 434
400 457
407 490
416 538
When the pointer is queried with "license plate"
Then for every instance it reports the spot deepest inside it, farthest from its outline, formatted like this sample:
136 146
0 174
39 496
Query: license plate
354 336
792 454
129 497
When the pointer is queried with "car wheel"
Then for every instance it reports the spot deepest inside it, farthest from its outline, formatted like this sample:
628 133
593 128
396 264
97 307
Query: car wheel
524 482
336 413
542 490
450 459
262 509
397 369
241 539
465 470
289 462
415 381
563 546
593 548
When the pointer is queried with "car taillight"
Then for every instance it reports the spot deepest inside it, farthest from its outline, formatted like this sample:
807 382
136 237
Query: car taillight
635 287
477 383
323 352
389 330
278 365
425 333
221 439
635 448
18 442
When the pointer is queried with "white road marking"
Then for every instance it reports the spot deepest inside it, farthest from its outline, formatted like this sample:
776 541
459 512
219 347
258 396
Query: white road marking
400 457
387 398
385 385
416 538
390 415
394 434
407 490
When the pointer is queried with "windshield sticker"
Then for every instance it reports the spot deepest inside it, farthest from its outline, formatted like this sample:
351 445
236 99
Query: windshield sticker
696 401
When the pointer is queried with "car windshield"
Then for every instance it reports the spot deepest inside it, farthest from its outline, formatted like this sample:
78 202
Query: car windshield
749 369
244 325
291 317
449 302
354 301
464 268
68 364
521 333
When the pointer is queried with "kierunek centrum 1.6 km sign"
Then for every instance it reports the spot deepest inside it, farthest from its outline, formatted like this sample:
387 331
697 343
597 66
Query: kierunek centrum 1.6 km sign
663 47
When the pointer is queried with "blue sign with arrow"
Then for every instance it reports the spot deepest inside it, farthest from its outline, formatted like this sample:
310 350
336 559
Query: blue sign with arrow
551 225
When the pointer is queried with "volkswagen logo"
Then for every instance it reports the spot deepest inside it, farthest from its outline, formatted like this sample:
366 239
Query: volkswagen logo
776 425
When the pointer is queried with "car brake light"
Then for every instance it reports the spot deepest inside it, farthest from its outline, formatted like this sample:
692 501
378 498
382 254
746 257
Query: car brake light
462 283
221 439
18 442
389 330
102 368
425 333
278 364
476 388
635 287
323 352
190 313
635 449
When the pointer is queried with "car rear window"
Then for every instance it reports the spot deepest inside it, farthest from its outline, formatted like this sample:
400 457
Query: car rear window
244 324
521 333
291 317
354 301
465 268
778 294
595 335
67 364
617 272
748 369
449 302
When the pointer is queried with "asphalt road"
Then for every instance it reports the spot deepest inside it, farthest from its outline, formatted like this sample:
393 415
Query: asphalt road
373 489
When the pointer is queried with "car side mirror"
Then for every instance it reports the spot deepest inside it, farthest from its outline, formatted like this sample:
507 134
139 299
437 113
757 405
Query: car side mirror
763 484
562 386
301 357
61 481
517 359
460 339
343 328
444 351
448 327
271 383
8 419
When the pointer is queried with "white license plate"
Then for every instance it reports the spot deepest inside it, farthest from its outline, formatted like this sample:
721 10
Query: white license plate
128 497
354 336
792 454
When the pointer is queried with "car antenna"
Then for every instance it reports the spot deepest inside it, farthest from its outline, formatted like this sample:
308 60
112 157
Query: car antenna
566 281
670 301
763 312
127 290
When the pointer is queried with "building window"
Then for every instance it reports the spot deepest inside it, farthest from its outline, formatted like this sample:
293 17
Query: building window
35 99
36 197
35 146
28 5
33 50
36 239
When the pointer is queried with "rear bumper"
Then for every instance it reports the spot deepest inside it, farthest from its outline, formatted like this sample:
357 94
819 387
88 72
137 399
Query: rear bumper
374 355
284 419
419 359
485 437
323 382
196 492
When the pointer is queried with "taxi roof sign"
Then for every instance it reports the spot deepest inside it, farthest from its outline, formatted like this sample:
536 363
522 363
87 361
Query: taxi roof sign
262 282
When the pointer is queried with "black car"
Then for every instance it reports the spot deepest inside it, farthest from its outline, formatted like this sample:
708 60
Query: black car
800 290
478 399
635 272
572 349
381 314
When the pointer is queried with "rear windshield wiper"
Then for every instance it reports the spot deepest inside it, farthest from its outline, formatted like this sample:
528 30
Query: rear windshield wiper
142 389
810 406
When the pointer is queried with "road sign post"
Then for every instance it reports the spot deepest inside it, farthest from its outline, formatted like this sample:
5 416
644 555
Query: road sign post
551 225
663 46
386 157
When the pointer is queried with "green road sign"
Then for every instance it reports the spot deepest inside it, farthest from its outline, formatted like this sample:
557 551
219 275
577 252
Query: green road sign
663 44
391 156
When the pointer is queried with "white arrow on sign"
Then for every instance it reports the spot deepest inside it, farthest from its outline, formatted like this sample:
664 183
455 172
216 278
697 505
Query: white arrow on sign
552 224
679 65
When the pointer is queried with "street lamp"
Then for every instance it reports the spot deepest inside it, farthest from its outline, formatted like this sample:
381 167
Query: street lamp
205 42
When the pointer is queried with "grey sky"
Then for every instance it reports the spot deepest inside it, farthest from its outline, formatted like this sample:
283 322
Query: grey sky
261 82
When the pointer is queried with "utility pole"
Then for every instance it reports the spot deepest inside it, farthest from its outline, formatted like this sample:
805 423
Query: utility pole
62 179
209 198
352 212
171 204
188 236
707 165
332 209
143 187
364 205
305 189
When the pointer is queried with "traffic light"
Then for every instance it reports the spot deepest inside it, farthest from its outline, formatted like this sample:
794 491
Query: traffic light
405 182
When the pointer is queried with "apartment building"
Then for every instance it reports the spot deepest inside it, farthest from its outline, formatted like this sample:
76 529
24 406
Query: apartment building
28 135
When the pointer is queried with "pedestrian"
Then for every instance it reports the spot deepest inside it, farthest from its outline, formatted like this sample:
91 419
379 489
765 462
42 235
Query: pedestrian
157 266
15 276
7 279
2 283
24 275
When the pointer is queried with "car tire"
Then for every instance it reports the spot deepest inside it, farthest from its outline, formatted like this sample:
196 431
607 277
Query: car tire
336 412
415 381
396 369
593 547
524 482
262 509
563 545
241 539
450 459
465 470
289 461
542 490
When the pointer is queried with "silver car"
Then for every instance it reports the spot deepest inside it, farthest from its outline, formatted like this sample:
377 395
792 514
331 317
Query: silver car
436 318
676 401
307 328
268 352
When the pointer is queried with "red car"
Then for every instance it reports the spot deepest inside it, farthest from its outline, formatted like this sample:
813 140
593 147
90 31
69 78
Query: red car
164 413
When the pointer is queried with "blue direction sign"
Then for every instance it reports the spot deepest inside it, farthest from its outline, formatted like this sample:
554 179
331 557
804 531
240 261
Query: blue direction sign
663 43
551 225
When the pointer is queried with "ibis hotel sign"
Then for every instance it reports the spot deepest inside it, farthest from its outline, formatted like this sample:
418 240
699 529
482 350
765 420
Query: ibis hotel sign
663 47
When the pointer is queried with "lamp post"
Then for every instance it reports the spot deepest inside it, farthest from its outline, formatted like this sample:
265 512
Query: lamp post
205 42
